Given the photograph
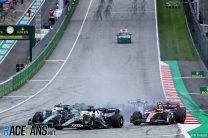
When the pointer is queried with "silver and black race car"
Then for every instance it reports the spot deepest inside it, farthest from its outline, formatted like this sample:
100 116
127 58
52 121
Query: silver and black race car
65 116
94 118
163 113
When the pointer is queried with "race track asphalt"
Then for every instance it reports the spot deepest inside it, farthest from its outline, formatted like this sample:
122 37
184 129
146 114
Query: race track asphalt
99 71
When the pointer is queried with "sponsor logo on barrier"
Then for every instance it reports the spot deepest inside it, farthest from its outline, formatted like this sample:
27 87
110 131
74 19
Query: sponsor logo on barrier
198 74
204 90
27 130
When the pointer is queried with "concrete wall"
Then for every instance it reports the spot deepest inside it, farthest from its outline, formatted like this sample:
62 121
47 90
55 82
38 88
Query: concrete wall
204 10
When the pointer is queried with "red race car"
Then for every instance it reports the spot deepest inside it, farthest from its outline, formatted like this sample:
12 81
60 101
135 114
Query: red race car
164 113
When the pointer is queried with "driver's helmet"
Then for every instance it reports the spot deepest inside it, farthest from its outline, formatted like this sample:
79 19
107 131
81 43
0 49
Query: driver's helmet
54 111
63 112
58 105
90 108
57 108
159 105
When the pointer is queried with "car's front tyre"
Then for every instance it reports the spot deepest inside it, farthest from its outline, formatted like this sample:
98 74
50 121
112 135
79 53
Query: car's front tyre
117 121
90 122
136 118
180 115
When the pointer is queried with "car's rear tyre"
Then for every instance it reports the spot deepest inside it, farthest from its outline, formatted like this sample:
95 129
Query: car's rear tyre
90 120
136 118
117 121
57 122
90 124
59 128
37 118
168 117
180 115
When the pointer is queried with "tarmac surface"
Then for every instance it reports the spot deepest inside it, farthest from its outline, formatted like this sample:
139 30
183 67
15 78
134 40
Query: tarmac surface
89 66
193 84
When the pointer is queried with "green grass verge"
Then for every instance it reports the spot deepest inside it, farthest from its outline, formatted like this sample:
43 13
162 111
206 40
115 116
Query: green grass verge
174 38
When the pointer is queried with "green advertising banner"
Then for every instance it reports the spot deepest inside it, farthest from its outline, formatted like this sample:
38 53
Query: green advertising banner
198 74
204 89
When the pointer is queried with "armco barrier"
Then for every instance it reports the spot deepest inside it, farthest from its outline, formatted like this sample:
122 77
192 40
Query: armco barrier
198 35
21 78
5 87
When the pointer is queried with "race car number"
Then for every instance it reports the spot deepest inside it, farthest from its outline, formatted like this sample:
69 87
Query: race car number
76 125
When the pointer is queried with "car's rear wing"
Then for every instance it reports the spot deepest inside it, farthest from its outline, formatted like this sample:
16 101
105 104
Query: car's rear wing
108 110
171 105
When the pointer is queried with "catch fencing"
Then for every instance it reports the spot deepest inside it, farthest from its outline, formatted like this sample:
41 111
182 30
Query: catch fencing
199 37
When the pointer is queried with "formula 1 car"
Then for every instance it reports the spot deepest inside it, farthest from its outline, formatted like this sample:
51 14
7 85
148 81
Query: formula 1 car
94 118
63 116
52 117
164 113
123 36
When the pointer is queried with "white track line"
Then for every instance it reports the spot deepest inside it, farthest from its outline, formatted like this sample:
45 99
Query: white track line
67 58
54 60
38 80
158 49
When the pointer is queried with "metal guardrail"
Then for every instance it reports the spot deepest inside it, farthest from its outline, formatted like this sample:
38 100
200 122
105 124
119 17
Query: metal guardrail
5 87
41 52
198 35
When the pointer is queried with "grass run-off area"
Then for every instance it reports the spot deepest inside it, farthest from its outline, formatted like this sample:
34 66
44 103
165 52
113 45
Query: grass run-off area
174 38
